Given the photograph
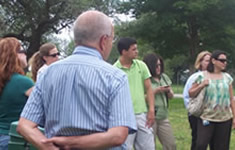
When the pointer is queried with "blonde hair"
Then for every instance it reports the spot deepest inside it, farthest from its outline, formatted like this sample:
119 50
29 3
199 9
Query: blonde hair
200 57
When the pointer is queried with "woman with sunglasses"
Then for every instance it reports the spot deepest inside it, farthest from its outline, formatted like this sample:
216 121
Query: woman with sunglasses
214 125
14 86
161 85
46 55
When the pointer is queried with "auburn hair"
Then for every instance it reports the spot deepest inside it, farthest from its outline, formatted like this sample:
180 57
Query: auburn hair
9 61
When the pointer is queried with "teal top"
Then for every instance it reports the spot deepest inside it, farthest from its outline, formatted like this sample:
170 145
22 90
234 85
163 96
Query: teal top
160 98
12 100
137 74
217 98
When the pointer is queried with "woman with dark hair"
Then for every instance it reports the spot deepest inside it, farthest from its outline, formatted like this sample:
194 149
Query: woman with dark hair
14 87
214 125
161 85
46 55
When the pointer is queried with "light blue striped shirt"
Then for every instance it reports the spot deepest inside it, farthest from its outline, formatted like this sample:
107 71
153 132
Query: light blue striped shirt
80 95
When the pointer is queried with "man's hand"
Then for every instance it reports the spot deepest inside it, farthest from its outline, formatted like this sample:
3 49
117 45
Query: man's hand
60 142
49 146
115 136
29 130
150 119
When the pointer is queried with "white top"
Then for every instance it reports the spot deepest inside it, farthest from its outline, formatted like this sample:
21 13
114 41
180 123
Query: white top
41 70
187 86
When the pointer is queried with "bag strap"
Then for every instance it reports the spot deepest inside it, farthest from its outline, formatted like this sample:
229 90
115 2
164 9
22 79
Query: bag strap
167 100
205 73
206 76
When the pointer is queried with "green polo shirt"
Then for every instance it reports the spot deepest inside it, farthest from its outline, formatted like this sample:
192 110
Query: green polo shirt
137 73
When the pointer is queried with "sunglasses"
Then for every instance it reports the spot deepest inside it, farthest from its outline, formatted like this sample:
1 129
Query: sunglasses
21 51
54 55
221 60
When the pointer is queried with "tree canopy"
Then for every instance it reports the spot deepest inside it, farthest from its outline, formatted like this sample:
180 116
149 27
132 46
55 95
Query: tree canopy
168 27
32 20
174 27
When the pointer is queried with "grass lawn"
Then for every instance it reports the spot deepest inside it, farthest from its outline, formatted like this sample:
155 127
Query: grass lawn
181 129
177 88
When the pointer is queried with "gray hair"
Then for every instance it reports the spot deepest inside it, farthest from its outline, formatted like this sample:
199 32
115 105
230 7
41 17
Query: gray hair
90 26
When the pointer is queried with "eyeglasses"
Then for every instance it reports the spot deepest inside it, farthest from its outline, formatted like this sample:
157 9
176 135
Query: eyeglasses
54 55
221 60
114 38
158 65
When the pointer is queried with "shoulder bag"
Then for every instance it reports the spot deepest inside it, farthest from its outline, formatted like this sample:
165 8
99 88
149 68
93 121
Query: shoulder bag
195 105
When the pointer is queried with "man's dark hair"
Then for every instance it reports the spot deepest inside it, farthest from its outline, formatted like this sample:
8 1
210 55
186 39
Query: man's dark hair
125 43
215 54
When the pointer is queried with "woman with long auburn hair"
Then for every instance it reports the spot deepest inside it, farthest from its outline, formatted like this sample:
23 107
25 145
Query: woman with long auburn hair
14 87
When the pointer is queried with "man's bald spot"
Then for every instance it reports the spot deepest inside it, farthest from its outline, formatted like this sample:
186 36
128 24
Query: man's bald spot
90 16
90 25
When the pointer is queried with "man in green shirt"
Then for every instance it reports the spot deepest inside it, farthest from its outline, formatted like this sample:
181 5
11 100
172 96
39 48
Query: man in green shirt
139 82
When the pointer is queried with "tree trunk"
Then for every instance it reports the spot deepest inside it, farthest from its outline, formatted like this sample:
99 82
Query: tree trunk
193 38
34 44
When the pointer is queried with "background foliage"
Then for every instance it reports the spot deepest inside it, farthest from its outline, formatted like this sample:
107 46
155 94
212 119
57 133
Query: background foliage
32 21
179 28
175 29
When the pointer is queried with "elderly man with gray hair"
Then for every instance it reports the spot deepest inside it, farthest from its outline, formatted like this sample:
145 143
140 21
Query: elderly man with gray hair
82 101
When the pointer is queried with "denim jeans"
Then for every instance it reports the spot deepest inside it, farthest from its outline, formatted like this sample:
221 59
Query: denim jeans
4 139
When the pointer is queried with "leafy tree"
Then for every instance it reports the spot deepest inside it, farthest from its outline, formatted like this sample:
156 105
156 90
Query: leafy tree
174 27
32 20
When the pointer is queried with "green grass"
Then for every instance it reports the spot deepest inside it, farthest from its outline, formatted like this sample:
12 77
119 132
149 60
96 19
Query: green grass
180 125
177 88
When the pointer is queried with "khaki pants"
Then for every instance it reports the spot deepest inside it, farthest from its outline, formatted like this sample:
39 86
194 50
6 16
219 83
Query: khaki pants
143 139
162 129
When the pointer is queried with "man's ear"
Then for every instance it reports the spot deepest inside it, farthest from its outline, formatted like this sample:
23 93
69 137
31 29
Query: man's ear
124 51
102 42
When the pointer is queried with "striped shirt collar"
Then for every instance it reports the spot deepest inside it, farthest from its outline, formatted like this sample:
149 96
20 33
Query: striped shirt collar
82 50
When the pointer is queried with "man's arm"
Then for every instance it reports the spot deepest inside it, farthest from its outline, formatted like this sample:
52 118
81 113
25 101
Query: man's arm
150 100
32 134
113 137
